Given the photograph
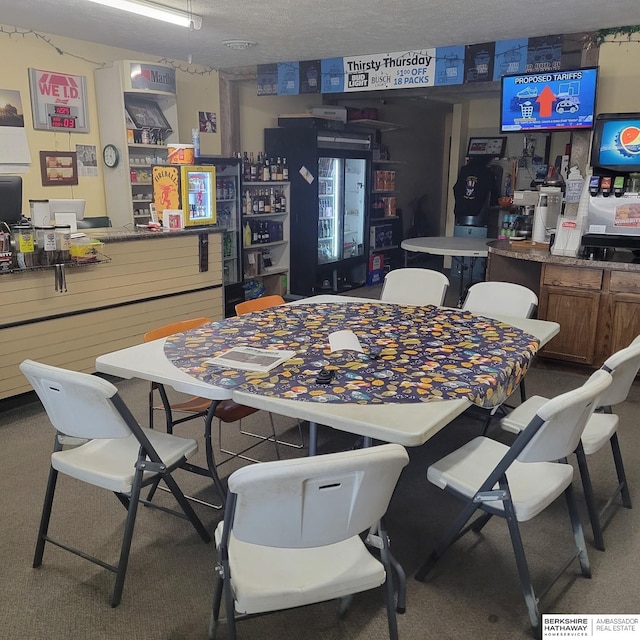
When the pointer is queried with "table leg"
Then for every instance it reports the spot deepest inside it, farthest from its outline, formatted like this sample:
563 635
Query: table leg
460 261
211 462
313 438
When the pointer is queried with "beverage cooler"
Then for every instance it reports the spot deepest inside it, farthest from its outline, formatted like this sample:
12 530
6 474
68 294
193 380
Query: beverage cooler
329 174
228 195
208 193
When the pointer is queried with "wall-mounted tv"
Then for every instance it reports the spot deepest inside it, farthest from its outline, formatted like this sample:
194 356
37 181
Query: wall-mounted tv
616 142
548 101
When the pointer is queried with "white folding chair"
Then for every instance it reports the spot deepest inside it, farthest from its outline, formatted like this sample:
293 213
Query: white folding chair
506 298
601 428
519 482
291 534
110 451
414 286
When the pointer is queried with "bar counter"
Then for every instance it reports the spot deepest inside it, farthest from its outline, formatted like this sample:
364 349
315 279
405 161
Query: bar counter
596 302
150 278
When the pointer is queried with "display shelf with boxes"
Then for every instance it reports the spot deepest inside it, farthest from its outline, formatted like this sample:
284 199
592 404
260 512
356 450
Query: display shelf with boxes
265 234
138 118
385 223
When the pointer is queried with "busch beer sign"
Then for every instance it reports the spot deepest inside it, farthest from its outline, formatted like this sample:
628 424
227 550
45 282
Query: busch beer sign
51 89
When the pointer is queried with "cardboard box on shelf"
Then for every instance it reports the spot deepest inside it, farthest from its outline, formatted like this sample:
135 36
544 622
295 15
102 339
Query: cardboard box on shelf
335 113
275 284
253 264
375 274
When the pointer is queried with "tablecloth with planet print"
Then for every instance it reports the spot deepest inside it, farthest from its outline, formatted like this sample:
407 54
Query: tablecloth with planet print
423 353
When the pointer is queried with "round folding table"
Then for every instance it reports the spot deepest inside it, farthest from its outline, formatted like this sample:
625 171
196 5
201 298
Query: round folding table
456 247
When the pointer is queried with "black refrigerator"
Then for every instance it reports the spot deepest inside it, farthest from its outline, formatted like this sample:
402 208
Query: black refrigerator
329 173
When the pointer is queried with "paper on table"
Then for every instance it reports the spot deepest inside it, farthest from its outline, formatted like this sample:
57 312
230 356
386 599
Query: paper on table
252 358
344 339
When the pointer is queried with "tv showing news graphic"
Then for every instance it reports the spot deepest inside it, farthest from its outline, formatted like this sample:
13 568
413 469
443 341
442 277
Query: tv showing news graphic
620 144
549 101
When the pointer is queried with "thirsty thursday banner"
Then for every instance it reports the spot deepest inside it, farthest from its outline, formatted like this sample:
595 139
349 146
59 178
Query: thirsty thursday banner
379 71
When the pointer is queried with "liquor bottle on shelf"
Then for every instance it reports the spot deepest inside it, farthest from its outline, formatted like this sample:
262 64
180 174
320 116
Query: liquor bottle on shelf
253 167
246 167
285 170
266 170
274 170
279 175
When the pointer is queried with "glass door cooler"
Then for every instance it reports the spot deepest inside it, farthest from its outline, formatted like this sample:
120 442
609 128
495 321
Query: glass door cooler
329 182
329 192
198 195
353 225
227 193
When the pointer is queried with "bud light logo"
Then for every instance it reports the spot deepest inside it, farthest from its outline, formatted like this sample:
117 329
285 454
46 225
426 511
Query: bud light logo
358 80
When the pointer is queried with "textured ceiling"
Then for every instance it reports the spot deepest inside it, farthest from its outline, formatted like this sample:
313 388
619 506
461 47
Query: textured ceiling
285 30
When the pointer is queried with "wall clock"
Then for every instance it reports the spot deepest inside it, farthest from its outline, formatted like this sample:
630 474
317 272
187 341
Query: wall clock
110 156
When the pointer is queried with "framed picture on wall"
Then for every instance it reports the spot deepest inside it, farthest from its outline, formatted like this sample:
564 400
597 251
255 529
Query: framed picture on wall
146 114
58 168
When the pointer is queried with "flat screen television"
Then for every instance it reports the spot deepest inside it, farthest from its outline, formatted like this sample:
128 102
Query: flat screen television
548 101
616 142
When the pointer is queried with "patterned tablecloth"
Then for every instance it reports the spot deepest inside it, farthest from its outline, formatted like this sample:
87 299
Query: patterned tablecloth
424 353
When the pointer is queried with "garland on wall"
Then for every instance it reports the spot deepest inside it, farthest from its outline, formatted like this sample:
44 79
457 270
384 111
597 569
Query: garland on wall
14 32
620 34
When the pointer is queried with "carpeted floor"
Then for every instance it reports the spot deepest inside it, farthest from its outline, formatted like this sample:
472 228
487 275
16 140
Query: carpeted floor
472 593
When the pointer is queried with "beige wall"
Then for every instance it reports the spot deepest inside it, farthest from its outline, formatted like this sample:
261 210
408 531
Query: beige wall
258 113
619 77
195 92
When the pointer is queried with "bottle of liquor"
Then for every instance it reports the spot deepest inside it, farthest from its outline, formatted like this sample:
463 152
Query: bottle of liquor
247 235
260 201
246 167
248 204
266 170
285 170
267 203
274 171
255 237
279 175
273 205
253 168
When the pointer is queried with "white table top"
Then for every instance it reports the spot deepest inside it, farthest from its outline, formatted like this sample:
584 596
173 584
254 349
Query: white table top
409 424
456 246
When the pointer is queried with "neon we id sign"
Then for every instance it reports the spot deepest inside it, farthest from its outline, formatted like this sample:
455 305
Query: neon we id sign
53 91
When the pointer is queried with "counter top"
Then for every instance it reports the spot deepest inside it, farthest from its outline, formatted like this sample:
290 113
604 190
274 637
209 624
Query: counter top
107 234
525 250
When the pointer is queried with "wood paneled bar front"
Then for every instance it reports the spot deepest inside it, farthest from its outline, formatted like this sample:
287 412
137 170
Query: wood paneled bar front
151 279
596 303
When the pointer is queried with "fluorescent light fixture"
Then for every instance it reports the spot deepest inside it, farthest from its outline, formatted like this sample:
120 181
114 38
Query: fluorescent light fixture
155 11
